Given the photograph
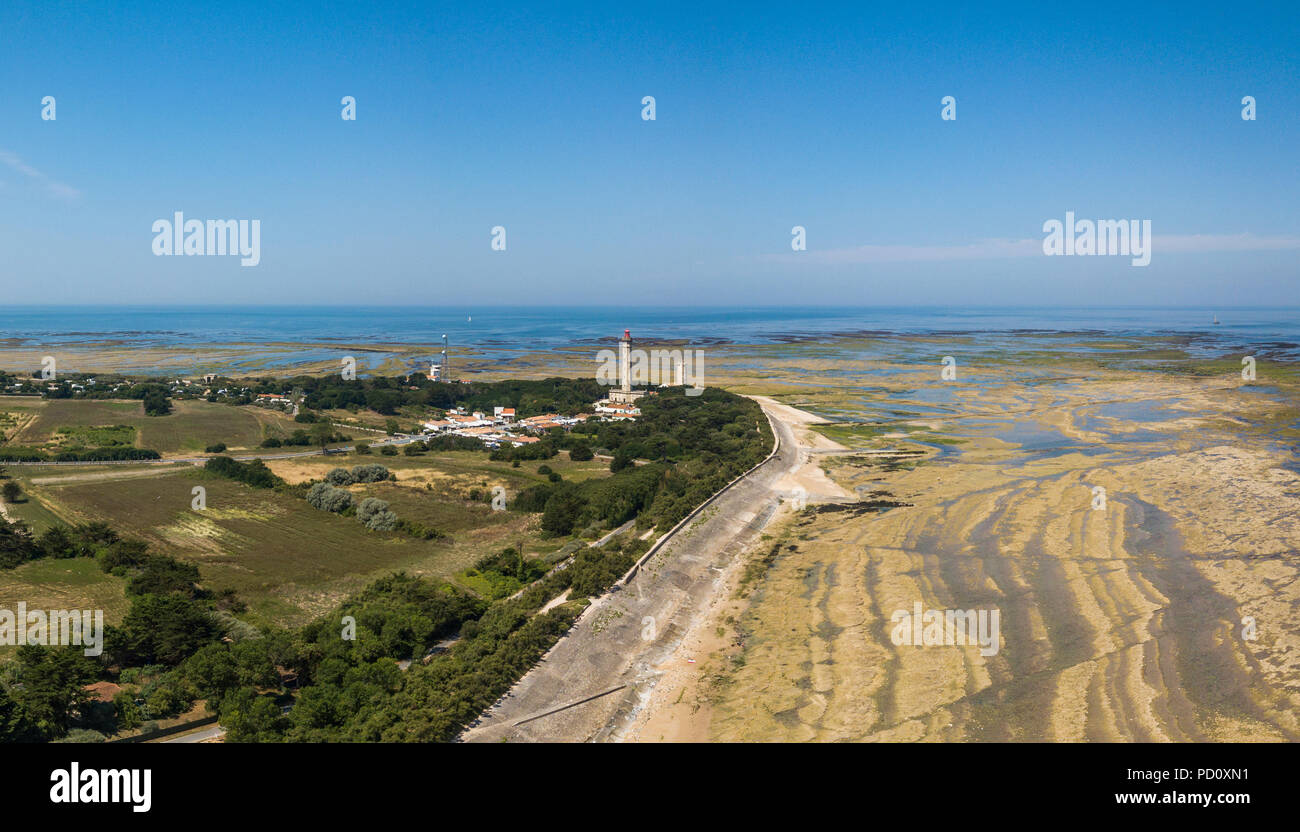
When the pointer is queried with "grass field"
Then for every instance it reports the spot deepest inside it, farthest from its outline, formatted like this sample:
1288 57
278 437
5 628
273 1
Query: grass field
76 583
466 468
287 560
32 511
190 427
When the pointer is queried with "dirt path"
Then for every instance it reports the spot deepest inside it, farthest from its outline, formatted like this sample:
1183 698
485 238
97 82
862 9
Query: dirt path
629 637
105 475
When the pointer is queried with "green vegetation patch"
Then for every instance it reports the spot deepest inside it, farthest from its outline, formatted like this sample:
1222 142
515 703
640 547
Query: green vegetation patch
95 436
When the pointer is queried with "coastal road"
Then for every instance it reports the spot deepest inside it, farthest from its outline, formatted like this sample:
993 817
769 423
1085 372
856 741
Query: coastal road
201 735
606 662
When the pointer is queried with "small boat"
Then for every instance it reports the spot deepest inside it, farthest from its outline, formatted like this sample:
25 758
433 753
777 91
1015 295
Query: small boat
1216 320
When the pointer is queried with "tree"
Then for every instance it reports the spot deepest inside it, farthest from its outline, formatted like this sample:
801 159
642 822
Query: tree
580 452
166 629
12 491
57 543
156 404
129 715
16 544
213 672
51 686
562 509
248 717
322 433
14 724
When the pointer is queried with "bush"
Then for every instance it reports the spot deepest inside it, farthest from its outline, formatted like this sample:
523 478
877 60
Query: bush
106 455
254 473
339 476
374 515
271 442
81 735
326 497
363 448
544 469
388 450
369 473
219 448
419 530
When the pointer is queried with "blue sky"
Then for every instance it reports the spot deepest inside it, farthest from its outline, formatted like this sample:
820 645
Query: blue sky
825 116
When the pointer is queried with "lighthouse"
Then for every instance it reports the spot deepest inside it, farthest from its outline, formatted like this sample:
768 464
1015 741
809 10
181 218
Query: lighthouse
624 394
625 363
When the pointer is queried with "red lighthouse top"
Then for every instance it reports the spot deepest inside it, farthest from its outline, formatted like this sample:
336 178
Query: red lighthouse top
627 335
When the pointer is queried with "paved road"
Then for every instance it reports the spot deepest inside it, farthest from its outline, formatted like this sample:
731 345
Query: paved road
200 735
605 649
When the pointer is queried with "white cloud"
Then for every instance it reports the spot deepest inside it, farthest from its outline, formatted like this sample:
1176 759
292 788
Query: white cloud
55 189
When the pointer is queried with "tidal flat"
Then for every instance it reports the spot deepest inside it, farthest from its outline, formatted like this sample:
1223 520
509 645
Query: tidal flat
1131 510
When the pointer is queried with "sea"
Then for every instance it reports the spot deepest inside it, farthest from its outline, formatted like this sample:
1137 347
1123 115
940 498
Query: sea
1274 331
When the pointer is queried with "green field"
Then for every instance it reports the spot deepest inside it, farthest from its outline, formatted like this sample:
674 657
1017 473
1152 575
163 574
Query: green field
287 560
99 436
190 427
76 583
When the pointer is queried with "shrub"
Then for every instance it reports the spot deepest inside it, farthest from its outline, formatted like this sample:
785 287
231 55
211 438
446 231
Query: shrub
369 473
271 442
388 450
363 448
374 514
326 497
339 476
81 735
254 473
106 454
219 448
